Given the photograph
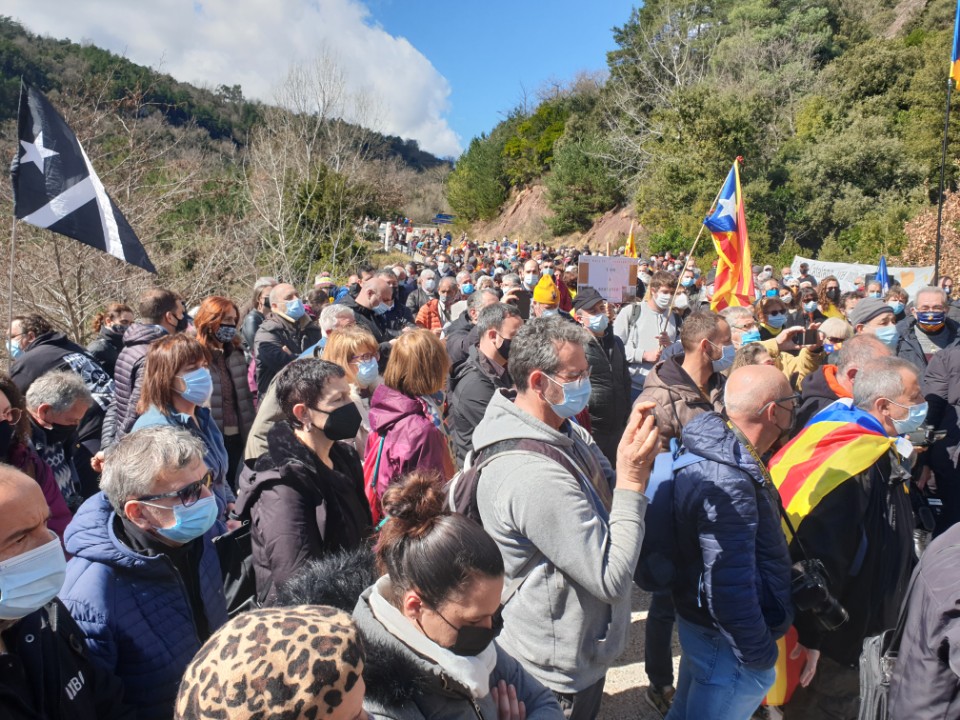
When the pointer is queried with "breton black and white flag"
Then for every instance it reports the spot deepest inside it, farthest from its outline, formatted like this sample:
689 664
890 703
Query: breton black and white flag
56 187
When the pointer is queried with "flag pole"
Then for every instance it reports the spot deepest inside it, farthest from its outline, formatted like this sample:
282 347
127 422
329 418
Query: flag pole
688 261
13 250
940 197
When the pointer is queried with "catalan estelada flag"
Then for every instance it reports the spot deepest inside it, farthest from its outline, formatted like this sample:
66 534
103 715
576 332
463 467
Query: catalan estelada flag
630 249
838 443
788 671
727 223
955 55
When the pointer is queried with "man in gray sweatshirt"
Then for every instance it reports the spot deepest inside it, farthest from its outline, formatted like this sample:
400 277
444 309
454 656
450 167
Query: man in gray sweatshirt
574 538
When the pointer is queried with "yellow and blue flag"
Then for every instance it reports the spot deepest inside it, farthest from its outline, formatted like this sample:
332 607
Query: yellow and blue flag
727 223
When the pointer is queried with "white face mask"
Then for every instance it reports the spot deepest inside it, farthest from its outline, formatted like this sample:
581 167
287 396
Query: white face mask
663 300
682 302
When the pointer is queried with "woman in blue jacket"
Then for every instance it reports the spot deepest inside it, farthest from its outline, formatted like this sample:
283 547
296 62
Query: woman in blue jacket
176 388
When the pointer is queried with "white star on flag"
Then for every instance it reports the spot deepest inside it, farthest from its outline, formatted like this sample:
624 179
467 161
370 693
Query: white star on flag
729 207
36 153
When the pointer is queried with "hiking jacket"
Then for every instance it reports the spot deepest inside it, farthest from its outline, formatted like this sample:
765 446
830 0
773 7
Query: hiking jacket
731 554
570 619
248 331
405 685
311 510
460 338
941 386
418 298
134 609
677 398
236 366
610 391
49 674
280 341
470 391
430 318
909 346
106 347
128 376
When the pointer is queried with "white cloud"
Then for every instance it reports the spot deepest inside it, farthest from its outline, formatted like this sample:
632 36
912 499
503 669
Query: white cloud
253 43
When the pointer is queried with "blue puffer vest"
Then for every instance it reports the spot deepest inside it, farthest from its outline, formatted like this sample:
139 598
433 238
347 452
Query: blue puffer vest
732 553
134 609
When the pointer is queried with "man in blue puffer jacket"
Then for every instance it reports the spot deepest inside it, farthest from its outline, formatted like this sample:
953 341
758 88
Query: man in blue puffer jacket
733 590
144 583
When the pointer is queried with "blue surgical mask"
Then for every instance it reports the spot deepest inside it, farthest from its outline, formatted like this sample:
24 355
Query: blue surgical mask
725 361
295 309
31 580
876 295
772 292
467 288
199 386
550 312
226 333
777 321
809 307
598 323
367 372
916 415
429 286
749 336
191 522
888 335
896 306
576 395
382 309
14 349
531 279
687 282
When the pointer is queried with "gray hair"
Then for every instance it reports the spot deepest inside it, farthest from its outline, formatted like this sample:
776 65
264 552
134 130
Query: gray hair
330 314
511 279
931 290
60 389
427 273
880 378
132 466
485 282
735 312
537 347
387 274
264 282
476 300
859 351
447 282
463 277
492 316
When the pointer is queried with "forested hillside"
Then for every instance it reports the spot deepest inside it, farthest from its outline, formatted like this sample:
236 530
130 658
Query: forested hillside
219 188
836 108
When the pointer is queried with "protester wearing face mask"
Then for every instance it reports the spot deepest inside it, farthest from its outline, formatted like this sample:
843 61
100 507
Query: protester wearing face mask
408 427
927 330
305 498
609 375
828 297
876 318
809 312
857 519
437 314
586 569
772 315
426 291
282 336
546 299
56 403
531 275
897 298
231 402
110 326
177 386
17 451
44 674
430 621
646 328
356 351
144 582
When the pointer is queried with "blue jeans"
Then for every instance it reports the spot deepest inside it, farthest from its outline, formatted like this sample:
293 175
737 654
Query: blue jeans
713 685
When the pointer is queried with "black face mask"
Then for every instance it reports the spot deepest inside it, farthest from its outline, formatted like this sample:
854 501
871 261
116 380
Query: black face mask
504 349
61 434
182 323
833 294
6 438
342 423
473 640
354 289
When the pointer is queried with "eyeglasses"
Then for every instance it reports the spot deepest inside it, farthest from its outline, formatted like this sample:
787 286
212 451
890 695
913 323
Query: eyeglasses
795 398
188 494
574 378
12 415
367 357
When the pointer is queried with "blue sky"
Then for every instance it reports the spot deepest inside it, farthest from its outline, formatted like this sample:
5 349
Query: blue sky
489 51
439 72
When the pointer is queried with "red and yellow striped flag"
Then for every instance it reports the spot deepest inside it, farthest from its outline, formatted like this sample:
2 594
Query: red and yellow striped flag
630 249
727 223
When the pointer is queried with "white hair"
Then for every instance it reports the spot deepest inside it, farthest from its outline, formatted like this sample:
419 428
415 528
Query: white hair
329 316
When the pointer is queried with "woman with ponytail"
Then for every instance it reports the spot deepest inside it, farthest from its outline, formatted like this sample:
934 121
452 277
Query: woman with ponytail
430 621
110 325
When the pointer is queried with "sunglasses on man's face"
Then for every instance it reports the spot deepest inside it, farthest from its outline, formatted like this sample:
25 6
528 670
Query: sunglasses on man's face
188 494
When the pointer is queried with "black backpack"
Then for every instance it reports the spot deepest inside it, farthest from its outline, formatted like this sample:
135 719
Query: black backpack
462 488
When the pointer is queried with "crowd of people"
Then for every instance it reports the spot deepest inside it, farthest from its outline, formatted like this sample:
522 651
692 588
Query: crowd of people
430 491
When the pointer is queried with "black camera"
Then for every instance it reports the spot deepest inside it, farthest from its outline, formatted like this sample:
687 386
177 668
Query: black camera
925 436
809 590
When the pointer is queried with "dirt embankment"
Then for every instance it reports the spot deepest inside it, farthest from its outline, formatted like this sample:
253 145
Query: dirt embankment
524 217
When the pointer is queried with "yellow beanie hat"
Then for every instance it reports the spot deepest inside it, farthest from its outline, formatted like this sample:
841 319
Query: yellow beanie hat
546 292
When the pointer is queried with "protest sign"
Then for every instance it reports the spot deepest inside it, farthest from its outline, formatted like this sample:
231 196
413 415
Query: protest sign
615 278
912 278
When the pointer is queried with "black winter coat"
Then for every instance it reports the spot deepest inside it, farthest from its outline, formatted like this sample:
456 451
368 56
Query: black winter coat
417 299
460 337
106 348
49 675
815 395
909 347
470 391
128 376
610 396
248 331
279 342
312 510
